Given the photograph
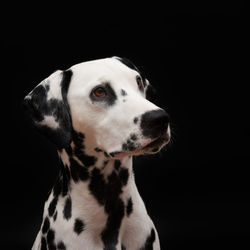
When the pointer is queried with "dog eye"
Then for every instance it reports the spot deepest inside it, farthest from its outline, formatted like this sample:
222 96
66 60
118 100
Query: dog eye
99 92
139 82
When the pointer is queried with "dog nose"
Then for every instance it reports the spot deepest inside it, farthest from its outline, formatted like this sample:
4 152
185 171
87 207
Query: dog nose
154 123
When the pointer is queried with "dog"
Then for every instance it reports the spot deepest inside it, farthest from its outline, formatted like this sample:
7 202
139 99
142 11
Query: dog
98 115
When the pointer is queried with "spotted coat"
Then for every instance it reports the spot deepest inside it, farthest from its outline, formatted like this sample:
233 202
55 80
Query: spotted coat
95 204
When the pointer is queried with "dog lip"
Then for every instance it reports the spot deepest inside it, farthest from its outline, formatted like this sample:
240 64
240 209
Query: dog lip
149 144
157 143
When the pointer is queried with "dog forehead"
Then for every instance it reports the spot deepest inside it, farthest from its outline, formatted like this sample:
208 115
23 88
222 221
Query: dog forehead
108 69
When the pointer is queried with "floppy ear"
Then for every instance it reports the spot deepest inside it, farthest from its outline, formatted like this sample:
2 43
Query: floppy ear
150 91
49 110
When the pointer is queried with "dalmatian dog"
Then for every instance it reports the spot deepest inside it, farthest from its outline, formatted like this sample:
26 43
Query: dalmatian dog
98 116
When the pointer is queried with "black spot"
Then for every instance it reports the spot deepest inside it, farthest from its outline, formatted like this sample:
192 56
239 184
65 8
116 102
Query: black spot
114 153
149 241
46 225
117 164
111 95
52 206
78 172
135 120
78 226
98 150
50 239
129 208
57 188
61 246
104 164
107 194
87 160
43 244
125 146
106 154
47 87
129 146
123 247
67 75
65 181
111 231
123 174
123 92
108 99
55 216
133 137
62 183
97 185
67 209
124 100
66 123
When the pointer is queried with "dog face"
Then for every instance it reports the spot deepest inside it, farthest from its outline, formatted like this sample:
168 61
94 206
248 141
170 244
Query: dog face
106 101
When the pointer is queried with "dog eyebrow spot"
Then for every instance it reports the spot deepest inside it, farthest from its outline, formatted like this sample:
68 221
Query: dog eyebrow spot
123 92
109 99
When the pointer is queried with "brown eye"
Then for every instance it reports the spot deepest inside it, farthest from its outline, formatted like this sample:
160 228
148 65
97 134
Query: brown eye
139 82
99 92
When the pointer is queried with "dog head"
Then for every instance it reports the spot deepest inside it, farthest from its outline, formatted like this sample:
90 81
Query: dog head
106 100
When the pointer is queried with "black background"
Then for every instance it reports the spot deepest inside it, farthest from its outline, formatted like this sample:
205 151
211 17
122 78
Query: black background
196 191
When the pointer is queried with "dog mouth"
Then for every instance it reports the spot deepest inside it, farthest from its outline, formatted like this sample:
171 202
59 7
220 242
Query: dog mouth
151 146
155 145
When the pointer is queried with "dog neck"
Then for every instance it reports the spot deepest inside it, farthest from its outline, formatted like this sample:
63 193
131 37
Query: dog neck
92 168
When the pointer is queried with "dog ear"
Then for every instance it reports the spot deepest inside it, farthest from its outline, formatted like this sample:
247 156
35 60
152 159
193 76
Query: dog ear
150 91
49 110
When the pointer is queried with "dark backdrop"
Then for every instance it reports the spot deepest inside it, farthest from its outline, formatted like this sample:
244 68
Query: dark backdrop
196 191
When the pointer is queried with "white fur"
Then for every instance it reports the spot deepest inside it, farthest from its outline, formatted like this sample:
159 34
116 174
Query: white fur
106 128
49 121
98 118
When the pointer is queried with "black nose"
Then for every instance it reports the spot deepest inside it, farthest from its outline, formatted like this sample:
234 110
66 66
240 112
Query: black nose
154 123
